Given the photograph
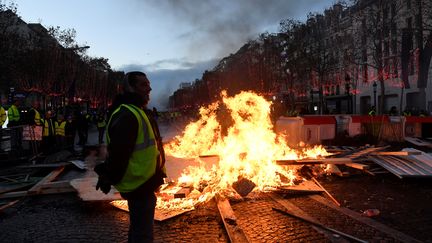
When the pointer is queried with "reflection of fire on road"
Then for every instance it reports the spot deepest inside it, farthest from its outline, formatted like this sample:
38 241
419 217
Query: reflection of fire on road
247 152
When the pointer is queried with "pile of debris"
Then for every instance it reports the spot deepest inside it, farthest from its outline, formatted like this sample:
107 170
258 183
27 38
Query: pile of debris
26 180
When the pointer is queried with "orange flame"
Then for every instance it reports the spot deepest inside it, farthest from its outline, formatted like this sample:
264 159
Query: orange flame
239 131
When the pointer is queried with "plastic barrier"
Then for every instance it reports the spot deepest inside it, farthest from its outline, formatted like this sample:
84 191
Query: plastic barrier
318 128
291 127
308 129
417 126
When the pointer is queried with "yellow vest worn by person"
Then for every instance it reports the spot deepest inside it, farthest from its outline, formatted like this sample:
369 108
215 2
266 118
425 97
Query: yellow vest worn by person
143 161
37 117
60 128
2 116
101 123
47 127
13 113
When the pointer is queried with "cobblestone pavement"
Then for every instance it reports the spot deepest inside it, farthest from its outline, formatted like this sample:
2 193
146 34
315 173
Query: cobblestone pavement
65 218
404 206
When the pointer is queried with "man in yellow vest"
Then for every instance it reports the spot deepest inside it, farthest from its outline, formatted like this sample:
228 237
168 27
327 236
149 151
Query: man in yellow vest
60 132
2 121
101 124
135 163
34 115
2 116
14 114
48 133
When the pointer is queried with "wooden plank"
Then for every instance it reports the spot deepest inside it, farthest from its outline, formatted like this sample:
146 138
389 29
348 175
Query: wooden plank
305 186
234 231
17 187
50 177
366 151
335 161
358 166
60 186
418 142
321 226
160 214
326 192
368 221
297 211
42 191
53 165
13 194
8 205
396 153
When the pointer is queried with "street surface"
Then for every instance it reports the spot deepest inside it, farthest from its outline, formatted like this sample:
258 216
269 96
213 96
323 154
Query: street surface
404 207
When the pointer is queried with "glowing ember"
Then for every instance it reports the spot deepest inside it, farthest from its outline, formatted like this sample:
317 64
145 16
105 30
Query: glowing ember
239 131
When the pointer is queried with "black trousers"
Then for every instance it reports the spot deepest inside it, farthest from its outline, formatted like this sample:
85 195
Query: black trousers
141 215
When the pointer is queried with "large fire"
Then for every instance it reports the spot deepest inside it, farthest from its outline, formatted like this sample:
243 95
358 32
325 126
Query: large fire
239 132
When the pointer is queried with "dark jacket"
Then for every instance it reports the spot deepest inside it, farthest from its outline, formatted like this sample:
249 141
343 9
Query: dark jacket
123 131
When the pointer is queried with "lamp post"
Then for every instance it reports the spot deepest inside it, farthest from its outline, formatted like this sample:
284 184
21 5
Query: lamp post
347 90
374 91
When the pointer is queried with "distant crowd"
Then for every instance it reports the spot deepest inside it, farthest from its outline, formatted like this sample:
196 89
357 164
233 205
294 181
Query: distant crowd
58 127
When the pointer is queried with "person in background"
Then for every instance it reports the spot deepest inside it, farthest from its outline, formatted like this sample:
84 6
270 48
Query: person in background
2 116
60 131
82 125
2 122
393 111
70 131
14 118
34 115
14 115
135 162
372 111
101 124
155 114
48 133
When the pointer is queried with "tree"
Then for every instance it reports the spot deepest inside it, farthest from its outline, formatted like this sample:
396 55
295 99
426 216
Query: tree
373 33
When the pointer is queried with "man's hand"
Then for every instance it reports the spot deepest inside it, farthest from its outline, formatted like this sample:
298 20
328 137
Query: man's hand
103 184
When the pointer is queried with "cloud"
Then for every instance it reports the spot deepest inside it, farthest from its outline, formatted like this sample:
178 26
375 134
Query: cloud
165 81
223 26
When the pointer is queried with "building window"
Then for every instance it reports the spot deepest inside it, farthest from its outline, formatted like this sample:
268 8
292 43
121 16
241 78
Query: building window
394 46
411 66
393 10
395 68
409 23
365 73
386 49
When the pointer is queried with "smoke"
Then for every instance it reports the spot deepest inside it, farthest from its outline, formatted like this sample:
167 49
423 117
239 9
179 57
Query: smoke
225 25
165 81
212 30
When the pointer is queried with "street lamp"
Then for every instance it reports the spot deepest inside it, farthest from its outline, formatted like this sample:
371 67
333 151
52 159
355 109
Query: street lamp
347 90
374 91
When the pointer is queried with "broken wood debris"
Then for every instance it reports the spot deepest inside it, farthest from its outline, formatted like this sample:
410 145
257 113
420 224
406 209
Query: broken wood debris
243 186
235 232
326 192
9 204
320 225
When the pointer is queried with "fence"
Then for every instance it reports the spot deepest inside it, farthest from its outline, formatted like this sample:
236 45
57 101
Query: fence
20 141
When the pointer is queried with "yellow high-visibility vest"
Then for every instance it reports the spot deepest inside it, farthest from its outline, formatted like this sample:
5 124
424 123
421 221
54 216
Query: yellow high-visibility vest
2 116
47 127
60 128
13 114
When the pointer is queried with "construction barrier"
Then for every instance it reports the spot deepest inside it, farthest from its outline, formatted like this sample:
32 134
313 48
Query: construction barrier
20 141
307 129
418 126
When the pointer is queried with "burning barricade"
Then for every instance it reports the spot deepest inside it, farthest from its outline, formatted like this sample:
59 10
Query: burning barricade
244 148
